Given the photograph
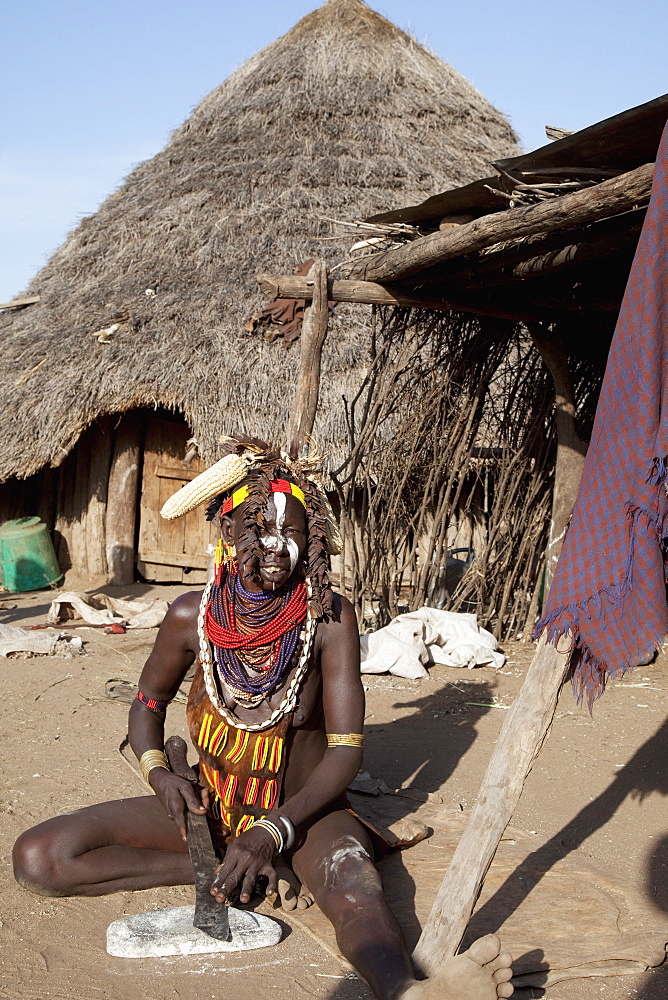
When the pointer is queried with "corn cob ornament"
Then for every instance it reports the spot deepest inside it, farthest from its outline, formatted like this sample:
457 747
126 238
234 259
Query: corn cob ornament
220 478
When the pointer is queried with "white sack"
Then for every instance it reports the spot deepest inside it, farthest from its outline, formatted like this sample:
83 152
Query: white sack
103 610
428 636
19 640
401 654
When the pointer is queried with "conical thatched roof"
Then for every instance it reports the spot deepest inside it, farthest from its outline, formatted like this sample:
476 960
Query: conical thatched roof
343 116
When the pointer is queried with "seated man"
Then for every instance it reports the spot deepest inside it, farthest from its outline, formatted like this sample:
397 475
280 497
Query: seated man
275 711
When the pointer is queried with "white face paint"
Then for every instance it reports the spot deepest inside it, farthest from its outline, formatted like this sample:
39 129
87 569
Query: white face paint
293 552
274 543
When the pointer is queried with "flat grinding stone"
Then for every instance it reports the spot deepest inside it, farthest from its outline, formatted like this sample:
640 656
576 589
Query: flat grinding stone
170 931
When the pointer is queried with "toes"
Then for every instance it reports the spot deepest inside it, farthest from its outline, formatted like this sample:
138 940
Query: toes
485 949
287 895
502 975
503 961
504 990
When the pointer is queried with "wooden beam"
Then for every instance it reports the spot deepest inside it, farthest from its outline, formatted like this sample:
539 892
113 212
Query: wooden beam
504 302
19 303
570 256
611 197
515 261
94 507
161 558
314 331
289 286
524 730
369 293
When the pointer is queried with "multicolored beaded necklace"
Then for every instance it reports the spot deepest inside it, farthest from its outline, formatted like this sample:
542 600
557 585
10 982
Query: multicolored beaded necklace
254 635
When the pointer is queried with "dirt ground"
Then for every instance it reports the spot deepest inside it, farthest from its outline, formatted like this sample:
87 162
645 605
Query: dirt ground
598 787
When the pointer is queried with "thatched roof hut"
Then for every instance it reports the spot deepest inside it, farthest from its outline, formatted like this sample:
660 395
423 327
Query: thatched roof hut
340 116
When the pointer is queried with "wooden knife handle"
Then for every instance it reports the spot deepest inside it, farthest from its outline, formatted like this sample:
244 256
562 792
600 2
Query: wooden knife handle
177 755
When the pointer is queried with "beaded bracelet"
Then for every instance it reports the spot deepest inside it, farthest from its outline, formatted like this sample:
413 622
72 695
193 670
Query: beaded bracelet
155 706
150 759
344 739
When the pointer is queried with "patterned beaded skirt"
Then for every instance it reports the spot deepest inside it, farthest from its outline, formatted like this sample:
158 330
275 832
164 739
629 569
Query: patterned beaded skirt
243 770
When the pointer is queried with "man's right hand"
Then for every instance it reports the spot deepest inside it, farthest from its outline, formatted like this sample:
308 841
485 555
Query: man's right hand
177 795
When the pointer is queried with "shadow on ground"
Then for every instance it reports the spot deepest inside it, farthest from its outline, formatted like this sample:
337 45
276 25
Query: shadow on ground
421 751
655 986
645 773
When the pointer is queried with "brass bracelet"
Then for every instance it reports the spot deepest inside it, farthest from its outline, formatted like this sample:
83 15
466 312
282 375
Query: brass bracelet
273 830
344 739
150 759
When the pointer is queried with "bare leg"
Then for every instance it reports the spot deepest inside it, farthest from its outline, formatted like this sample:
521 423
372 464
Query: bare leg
335 862
110 847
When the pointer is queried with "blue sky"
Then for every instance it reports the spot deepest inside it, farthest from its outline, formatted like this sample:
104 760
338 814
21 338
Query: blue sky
89 88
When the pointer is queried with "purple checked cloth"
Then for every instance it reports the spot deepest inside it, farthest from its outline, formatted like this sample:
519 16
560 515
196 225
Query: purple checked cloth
609 587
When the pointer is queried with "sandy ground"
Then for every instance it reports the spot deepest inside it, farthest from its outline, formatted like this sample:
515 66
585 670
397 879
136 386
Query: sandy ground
598 786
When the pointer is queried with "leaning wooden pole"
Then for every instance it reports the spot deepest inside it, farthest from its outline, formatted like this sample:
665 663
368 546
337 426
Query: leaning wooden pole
525 728
528 722
314 331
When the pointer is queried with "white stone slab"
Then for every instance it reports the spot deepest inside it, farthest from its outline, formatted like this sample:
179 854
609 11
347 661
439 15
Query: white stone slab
170 931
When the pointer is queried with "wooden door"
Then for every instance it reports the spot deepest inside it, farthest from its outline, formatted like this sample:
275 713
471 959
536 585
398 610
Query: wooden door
170 551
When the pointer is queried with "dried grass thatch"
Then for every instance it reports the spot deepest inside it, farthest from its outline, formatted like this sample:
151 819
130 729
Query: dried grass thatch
342 116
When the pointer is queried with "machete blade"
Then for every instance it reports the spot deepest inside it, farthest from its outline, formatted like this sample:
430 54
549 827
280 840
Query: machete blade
210 916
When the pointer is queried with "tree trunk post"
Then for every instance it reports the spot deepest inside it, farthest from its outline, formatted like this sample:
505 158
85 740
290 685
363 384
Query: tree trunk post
122 501
96 507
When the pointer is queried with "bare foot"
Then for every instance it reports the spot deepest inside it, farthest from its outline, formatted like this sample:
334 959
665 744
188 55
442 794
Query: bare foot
481 973
292 894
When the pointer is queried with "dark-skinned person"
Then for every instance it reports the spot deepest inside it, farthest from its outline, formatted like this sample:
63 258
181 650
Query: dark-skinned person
275 711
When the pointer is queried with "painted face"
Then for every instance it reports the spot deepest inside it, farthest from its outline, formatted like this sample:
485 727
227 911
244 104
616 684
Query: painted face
282 542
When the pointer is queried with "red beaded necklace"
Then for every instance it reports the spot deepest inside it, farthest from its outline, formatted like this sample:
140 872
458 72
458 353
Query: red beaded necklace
230 638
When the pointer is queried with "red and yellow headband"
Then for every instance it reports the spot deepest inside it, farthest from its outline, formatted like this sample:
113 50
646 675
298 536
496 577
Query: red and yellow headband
277 486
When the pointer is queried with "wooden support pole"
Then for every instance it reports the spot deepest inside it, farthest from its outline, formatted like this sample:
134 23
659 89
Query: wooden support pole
96 506
122 501
571 449
525 728
314 331
611 197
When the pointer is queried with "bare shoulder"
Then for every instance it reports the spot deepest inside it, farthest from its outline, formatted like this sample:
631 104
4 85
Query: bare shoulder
338 638
343 620
179 626
185 608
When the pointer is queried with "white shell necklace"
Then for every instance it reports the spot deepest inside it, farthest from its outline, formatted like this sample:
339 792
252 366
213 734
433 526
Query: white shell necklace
289 701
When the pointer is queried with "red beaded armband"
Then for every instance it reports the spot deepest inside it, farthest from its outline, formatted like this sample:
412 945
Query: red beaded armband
155 706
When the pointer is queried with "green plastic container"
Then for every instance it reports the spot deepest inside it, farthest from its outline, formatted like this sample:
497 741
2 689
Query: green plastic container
27 559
